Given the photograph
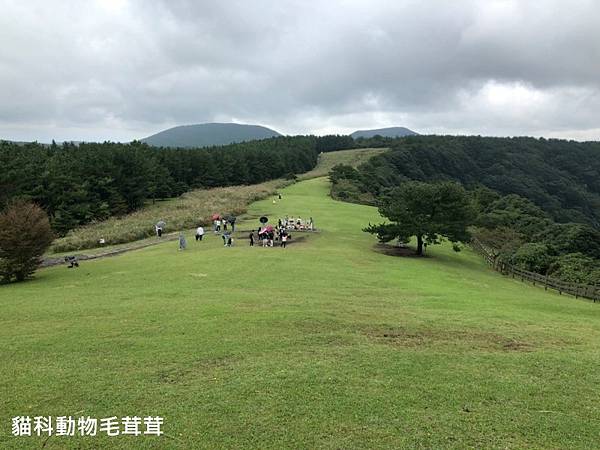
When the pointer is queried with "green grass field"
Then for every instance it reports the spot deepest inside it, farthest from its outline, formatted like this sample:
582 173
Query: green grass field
192 208
325 344
351 157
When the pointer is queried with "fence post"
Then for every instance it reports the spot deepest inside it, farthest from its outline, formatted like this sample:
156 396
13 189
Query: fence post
591 292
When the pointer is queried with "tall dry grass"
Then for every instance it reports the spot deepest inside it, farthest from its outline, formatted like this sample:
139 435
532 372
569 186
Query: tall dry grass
187 211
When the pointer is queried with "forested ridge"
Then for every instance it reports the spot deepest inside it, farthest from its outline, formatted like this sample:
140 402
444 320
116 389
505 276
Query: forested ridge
561 177
537 201
76 184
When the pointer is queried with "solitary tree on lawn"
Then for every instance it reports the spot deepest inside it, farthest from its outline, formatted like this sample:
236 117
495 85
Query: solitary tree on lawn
25 235
429 211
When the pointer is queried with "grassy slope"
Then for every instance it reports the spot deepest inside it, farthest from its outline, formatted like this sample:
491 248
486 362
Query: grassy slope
352 157
191 208
187 211
271 348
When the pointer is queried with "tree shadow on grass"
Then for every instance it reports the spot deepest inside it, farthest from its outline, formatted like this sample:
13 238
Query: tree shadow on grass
394 250
431 255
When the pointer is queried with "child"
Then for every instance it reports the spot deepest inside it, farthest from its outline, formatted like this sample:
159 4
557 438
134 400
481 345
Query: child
182 242
251 239
283 240
199 233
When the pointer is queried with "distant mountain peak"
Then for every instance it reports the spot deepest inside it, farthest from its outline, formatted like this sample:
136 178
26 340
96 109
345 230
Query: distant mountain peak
384 132
209 134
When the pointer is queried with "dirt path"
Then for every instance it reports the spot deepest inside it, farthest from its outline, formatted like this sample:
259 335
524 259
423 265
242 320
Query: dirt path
58 260
55 261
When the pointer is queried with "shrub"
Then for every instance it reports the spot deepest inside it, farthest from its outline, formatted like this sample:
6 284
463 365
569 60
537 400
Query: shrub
534 257
565 238
348 191
576 268
25 235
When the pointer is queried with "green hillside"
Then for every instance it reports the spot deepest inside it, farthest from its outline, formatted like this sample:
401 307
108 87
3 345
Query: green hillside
194 207
209 134
325 344
353 157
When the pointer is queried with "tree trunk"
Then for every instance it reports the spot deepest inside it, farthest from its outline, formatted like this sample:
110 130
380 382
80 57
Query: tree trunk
420 245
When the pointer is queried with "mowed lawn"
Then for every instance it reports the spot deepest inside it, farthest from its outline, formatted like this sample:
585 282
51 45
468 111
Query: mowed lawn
325 344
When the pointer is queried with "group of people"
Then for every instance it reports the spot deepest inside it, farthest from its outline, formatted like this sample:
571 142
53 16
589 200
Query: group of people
291 223
221 223
266 235
227 238
269 235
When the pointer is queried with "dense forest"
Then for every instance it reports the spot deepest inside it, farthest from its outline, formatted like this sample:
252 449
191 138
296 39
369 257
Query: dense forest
79 183
537 200
561 177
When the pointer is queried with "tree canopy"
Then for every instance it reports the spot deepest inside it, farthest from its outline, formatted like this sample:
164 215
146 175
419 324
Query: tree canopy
76 184
537 200
25 235
428 211
560 177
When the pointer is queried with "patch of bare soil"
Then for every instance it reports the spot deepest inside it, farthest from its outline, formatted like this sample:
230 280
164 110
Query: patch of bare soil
200 368
428 338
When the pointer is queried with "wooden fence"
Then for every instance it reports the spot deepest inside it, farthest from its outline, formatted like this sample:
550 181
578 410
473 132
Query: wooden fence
588 291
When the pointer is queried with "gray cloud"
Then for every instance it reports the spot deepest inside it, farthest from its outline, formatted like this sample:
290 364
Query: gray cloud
118 69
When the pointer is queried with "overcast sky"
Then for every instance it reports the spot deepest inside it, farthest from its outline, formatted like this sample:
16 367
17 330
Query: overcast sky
119 70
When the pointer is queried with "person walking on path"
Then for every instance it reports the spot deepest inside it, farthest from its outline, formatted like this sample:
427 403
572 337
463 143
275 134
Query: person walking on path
160 227
199 233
